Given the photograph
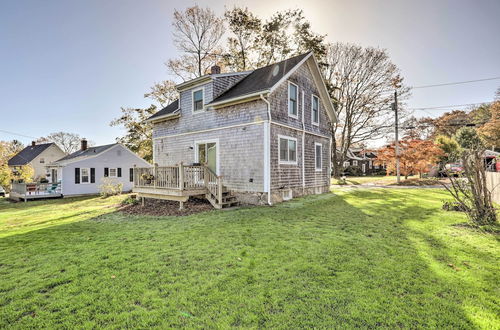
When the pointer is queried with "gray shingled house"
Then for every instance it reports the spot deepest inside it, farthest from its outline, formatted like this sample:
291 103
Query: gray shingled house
255 137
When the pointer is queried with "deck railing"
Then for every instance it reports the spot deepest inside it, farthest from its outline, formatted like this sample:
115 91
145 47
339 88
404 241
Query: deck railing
36 189
213 182
181 177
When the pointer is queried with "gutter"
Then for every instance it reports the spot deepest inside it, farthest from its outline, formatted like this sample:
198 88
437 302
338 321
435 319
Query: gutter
238 98
267 150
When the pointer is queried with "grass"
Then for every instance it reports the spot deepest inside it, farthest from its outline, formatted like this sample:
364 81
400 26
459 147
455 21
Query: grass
389 180
363 258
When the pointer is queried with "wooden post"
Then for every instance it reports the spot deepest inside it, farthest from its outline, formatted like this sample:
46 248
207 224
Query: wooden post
181 205
134 176
219 189
155 171
142 201
181 176
205 176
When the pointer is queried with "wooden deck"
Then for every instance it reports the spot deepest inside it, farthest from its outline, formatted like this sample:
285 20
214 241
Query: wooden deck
178 183
30 191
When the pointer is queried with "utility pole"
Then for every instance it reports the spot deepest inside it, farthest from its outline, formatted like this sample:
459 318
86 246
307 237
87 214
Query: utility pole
396 125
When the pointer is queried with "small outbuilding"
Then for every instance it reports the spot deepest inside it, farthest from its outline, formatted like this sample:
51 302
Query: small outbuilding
83 171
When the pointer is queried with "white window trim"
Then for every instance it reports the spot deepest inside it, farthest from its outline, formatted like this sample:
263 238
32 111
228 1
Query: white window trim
81 175
217 152
202 89
320 169
294 162
109 172
312 113
296 116
347 163
354 163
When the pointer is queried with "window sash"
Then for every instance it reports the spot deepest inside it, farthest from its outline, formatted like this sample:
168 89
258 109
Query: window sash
113 173
292 99
318 156
287 150
315 109
84 175
198 100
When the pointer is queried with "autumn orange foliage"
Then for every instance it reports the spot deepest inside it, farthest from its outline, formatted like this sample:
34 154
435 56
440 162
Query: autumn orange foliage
416 156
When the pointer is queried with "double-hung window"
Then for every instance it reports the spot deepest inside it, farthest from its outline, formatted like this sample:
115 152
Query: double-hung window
346 163
318 156
315 110
288 150
85 175
113 173
293 93
198 100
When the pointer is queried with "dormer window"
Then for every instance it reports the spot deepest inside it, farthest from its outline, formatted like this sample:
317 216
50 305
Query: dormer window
315 110
293 91
198 100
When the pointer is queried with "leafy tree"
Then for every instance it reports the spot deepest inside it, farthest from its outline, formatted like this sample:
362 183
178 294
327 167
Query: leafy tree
245 27
197 33
416 156
7 150
139 137
449 147
24 174
163 93
490 130
363 76
470 190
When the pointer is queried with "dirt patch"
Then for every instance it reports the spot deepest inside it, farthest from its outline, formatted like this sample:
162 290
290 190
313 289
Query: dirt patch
158 207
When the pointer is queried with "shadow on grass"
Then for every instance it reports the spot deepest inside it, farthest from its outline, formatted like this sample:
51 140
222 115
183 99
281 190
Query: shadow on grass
318 261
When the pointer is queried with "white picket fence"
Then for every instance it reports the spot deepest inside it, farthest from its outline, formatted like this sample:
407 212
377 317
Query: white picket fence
493 183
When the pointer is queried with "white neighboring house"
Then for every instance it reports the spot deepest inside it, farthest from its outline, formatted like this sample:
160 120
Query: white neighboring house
37 156
82 172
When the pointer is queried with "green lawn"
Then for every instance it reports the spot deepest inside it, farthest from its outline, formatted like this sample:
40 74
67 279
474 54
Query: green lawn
363 258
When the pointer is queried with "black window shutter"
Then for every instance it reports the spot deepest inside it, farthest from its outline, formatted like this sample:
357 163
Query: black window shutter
106 172
92 175
119 171
131 175
77 175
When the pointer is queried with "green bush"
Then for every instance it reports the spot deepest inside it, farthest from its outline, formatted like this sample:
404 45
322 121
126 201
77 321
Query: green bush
110 187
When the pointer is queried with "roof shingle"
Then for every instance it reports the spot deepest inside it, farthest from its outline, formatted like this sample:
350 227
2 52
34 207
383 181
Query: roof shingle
28 154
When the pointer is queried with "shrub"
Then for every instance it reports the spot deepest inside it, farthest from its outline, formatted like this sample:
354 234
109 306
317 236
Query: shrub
110 187
130 200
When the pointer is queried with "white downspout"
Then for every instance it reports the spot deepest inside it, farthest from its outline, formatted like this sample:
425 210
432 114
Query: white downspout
303 146
267 151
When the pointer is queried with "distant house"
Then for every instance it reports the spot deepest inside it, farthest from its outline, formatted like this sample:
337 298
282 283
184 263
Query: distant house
37 156
262 136
83 171
360 161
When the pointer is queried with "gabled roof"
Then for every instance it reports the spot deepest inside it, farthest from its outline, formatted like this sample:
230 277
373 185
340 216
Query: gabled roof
28 154
168 110
261 79
82 154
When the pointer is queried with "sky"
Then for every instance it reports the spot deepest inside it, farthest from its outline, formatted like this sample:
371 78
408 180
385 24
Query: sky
70 65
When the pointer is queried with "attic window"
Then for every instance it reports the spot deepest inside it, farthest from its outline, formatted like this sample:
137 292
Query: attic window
315 110
42 160
292 99
198 100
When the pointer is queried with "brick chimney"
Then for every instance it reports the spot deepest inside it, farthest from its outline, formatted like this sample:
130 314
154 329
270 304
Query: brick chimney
84 144
33 143
215 69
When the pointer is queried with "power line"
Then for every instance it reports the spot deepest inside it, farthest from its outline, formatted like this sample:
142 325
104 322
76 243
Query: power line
456 83
442 107
12 133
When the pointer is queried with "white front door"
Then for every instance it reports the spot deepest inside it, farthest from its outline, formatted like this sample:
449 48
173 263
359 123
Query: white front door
363 166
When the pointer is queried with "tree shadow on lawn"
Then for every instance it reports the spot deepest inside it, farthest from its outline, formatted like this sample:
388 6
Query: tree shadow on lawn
318 261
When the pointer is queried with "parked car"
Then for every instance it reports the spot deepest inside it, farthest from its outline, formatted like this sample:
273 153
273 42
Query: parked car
2 191
452 169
